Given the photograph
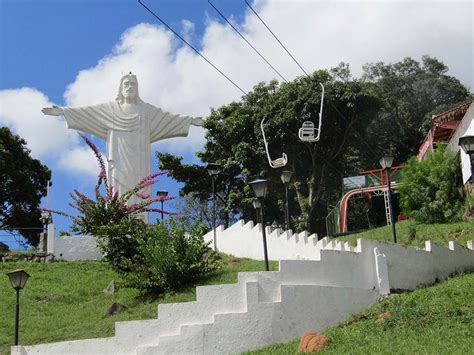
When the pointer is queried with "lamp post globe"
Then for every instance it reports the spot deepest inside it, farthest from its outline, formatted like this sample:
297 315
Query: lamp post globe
259 187
467 145
18 280
386 161
162 194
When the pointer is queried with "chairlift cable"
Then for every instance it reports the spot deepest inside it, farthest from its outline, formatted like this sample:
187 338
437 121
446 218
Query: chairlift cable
192 47
246 41
268 28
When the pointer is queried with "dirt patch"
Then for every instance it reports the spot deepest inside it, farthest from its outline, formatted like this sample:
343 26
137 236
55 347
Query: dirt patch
456 235
312 342
234 261
382 317
47 297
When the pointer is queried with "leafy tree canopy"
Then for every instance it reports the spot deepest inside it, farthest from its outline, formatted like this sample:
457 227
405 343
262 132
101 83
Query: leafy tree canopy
429 190
23 182
387 110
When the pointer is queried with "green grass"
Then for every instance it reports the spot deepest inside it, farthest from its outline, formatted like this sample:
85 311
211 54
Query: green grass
64 300
432 320
410 233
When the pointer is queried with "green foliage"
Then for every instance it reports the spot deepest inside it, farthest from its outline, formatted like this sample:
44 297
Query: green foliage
411 92
119 242
389 109
23 182
429 190
167 259
234 140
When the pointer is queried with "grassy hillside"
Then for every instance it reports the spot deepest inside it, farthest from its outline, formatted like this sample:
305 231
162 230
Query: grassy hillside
432 320
64 300
411 233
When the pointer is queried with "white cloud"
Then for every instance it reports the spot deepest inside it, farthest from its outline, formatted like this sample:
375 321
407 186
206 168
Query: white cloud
20 109
47 136
80 160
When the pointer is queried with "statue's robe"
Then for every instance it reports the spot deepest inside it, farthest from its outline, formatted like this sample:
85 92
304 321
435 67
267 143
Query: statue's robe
128 137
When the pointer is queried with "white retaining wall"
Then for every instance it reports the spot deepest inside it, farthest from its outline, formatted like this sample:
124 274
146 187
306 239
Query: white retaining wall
270 307
83 247
245 240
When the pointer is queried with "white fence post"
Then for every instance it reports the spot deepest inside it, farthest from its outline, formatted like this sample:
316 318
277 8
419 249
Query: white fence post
50 239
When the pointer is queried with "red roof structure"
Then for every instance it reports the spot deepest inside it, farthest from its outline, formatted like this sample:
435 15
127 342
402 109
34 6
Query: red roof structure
443 126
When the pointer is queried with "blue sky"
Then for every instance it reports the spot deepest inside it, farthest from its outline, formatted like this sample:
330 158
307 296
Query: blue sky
73 52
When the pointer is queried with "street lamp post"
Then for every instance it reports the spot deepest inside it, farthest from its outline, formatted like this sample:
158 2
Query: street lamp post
259 187
386 163
162 195
18 280
467 145
213 170
285 178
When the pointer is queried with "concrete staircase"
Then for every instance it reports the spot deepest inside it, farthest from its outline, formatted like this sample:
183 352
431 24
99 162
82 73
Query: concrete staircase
264 308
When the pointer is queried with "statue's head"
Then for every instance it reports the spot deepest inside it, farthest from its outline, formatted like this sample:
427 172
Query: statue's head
128 90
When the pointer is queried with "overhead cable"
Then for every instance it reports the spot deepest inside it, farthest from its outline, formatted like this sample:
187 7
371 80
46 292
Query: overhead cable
246 41
191 46
268 28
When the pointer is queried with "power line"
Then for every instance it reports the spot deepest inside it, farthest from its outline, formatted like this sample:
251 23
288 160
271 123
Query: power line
246 41
268 28
192 47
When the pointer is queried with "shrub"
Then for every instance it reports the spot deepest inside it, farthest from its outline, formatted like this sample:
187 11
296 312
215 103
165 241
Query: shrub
119 243
168 259
429 189
108 207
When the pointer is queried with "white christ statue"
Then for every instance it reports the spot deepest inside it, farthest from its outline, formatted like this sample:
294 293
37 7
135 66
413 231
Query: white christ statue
129 126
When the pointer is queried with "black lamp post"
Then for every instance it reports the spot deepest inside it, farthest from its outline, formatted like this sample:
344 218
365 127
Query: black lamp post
213 170
18 280
162 195
386 162
259 187
467 145
285 178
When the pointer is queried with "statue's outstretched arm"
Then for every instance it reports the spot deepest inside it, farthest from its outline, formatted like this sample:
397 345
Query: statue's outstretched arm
197 121
53 111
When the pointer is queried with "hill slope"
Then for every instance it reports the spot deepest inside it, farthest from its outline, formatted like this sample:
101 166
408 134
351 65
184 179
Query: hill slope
433 320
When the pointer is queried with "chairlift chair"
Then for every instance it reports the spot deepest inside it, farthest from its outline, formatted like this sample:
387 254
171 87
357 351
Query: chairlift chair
277 163
307 131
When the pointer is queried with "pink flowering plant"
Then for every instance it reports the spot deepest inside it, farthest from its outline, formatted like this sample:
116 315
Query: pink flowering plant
108 207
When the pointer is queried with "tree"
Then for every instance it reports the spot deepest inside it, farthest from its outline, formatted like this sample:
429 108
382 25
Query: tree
190 208
411 93
23 182
429 190
234 141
